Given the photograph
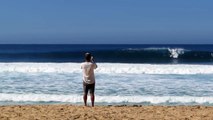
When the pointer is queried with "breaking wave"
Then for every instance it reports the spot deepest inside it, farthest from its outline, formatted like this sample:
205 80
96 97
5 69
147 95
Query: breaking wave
108 68
126 55
105 99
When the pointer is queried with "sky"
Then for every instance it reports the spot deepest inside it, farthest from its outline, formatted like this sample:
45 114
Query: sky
106 22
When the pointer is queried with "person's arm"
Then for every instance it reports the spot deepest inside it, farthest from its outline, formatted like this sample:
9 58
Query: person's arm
95 65
81 66
93 61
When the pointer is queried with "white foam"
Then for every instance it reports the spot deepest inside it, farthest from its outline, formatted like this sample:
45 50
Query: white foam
108 68
175 52
104 99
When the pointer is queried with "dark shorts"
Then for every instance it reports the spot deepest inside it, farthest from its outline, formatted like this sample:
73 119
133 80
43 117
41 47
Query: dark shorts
88 87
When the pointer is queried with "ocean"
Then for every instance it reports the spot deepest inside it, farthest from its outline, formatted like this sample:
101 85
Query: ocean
126 74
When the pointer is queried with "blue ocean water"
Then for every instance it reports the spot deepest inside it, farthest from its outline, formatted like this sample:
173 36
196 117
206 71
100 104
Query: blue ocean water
126 74
108 53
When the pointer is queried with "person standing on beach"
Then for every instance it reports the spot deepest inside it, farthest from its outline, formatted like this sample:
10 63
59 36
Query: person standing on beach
88 77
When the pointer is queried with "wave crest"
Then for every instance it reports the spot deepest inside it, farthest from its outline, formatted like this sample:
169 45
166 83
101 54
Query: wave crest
108 68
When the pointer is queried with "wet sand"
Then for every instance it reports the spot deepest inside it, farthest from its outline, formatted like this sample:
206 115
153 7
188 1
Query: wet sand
122 112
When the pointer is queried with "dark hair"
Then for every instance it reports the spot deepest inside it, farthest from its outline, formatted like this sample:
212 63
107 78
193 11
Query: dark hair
88 57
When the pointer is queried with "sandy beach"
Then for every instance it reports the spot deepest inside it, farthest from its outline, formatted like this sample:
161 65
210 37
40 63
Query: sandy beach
123 112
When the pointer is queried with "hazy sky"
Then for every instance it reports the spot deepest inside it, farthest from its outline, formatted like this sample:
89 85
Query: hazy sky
106 21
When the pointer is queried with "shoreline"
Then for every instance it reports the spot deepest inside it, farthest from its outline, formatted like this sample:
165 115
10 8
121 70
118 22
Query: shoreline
67 111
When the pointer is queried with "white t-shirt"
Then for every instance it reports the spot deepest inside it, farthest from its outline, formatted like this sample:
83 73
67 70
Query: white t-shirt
88 72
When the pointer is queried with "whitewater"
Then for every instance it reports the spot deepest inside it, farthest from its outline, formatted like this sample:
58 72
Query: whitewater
116 83
108 68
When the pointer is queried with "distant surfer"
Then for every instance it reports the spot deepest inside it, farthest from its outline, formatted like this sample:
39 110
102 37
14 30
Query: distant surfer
88 77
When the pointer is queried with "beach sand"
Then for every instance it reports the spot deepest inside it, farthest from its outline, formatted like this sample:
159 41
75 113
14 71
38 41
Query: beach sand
123 112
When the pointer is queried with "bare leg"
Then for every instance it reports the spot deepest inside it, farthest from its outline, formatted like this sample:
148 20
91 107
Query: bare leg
92 99
85 99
